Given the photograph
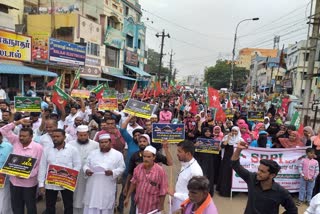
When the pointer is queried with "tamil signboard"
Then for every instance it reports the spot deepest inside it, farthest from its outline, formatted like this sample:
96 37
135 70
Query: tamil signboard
40 46
173 133
17 165
61 52
27 104
15 46
92 67
131 58
114 38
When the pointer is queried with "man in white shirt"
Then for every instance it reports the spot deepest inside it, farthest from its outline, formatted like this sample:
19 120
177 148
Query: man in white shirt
133 125
75 111
84 146
189 168
102 167
61 154
3 94
72 130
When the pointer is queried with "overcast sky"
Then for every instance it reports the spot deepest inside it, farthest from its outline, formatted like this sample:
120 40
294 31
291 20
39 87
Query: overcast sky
202 31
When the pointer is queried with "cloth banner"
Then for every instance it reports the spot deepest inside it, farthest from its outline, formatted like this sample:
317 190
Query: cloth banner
288 159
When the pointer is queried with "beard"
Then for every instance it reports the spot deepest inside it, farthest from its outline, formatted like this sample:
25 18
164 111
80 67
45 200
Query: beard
142 147
105 150
57 143
82 142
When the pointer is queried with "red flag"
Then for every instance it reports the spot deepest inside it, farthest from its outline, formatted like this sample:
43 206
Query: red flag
51 83
214 98
300 130
158 89
76 81
98 90
193 107
59 97
220 115
134 89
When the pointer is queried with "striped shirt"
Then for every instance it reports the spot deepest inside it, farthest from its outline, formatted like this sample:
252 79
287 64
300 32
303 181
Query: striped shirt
149 187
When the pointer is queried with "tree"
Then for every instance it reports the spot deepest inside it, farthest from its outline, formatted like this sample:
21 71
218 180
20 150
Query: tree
218 76
152 66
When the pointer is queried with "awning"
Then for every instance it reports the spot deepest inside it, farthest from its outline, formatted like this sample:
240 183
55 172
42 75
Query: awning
138 71
122 77
95 78
18 69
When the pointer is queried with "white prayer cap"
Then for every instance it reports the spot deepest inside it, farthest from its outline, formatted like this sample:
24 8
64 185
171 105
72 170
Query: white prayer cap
151 149
146 137
104 136
82 128
154 116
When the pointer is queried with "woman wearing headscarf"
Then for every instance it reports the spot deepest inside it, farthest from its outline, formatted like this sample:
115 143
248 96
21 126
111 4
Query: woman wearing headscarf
225 175
266 122
236 117
307 135
221 125
262 141
245 133
209 162
217 133
229 125
191 129
292 141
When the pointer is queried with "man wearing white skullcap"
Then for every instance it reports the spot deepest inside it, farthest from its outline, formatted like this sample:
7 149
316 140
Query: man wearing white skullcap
103 167
150 183
84 146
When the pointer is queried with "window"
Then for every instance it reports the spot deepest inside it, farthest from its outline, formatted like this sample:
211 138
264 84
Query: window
306 56
129 41
93 49
126 11
139 44
111 22
112 57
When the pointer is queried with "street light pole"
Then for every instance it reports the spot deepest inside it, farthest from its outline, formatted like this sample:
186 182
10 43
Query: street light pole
234 48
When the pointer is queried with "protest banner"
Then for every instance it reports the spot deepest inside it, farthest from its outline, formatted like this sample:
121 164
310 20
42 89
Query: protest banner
256 116
173 133
109 104
62 176
288 159
139 109
80 93
27 104
229 113
206 145
17 165
3 178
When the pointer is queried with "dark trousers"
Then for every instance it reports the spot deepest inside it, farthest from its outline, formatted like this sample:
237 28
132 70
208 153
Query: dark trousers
21 197
51 199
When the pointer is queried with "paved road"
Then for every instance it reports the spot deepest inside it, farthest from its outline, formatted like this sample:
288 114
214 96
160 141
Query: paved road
225 205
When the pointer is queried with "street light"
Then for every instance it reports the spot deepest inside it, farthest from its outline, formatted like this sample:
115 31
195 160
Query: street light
234 48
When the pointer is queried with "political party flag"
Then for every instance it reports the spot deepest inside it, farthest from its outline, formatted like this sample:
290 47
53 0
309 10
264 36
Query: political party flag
134 89
98 90
52 82
220 115
213 98
59 97
76 81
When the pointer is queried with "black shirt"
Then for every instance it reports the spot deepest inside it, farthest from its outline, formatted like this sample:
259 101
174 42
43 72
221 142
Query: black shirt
264 201
137 158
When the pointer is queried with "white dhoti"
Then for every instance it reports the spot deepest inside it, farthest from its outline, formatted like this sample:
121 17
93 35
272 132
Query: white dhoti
175 204
5 203
77 210
88 210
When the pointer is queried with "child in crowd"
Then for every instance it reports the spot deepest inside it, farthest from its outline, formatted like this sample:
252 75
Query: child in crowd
308 169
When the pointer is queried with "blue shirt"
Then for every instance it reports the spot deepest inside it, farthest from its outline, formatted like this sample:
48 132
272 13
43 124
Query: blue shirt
132 147
255 144
5 150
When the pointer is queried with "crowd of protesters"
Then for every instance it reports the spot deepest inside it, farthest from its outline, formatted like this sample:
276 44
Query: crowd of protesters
110 147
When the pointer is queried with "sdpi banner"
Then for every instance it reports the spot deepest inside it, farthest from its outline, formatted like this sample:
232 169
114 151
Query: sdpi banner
288 159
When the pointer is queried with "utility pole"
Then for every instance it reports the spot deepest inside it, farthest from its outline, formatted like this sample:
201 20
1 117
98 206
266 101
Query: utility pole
162 35
171 66
53 23
312 56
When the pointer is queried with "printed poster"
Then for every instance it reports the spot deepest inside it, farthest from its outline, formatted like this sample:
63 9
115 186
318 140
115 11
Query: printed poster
139 109
62 176
27 104
17 165
209 146
109 104
173 133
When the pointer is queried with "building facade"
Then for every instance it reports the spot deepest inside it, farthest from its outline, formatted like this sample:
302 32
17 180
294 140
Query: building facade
246 55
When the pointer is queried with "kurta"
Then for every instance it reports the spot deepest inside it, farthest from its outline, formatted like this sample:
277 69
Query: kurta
84 150
101 189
